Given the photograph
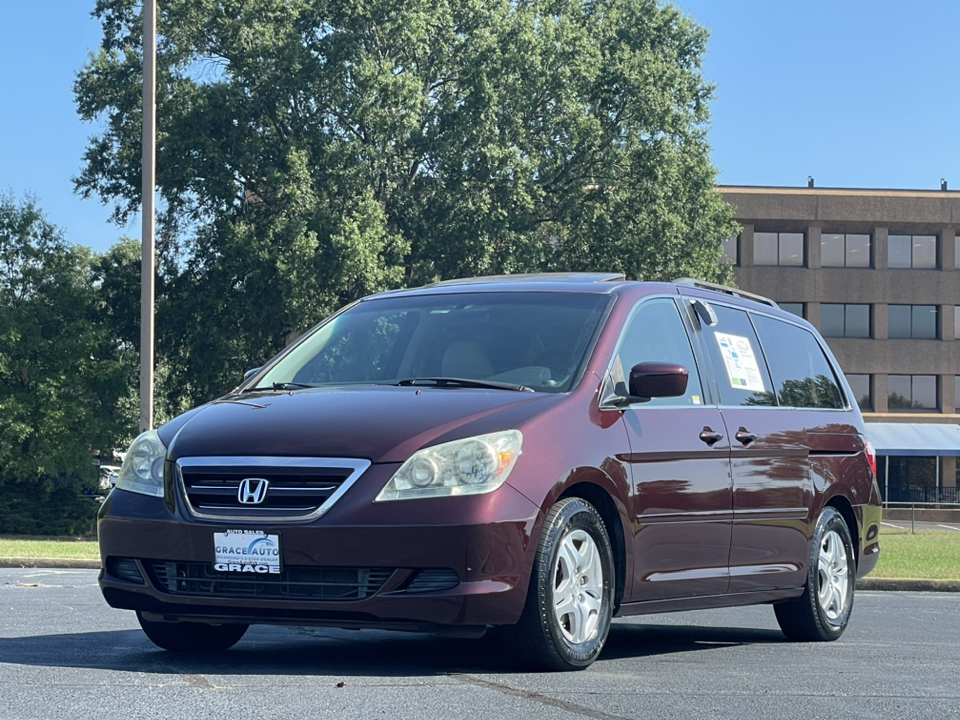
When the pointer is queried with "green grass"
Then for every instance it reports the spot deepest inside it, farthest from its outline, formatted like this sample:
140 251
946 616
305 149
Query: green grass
930 556
926 555
29 547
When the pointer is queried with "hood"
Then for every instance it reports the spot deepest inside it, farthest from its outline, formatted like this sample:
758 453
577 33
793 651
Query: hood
378 423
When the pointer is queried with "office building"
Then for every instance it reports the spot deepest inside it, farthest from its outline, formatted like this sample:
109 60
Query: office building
878 273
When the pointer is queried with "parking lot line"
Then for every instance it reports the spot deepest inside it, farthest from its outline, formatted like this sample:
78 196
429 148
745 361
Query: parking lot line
950 527
898 527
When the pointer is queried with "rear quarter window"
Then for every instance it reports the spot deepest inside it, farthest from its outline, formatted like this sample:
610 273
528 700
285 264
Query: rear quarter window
802 375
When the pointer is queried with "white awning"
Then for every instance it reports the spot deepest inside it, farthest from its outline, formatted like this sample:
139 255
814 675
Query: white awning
915 439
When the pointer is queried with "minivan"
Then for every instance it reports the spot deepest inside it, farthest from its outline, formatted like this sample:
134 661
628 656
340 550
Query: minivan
536 454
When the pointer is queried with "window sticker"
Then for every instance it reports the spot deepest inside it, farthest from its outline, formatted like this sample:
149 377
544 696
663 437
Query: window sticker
741 362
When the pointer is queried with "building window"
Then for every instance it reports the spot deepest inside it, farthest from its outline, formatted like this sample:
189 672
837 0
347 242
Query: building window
860 386
956 322
912 393
912 251
794 308
771 248
845 250
912 321
912 479
839 320
956 263
731 246
956 396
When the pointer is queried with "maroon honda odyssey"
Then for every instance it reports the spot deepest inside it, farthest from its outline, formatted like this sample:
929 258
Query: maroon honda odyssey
538 453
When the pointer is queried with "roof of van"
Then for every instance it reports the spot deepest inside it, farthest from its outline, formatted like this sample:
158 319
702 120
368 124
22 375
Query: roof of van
520 282
597 282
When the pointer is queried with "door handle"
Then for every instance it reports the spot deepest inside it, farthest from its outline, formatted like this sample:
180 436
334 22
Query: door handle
745 436
709 436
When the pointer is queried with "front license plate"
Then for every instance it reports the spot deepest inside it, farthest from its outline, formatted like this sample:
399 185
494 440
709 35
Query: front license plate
247 551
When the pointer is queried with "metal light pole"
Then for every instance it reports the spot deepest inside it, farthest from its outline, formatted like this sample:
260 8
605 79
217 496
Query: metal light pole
148 242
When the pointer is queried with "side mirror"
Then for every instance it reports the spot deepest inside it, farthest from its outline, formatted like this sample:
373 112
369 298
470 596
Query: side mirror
658 379
250 373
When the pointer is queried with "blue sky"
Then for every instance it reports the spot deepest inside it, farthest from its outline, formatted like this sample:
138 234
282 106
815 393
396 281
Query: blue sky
857 93
43 43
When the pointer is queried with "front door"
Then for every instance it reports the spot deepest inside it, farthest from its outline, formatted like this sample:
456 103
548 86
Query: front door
680 465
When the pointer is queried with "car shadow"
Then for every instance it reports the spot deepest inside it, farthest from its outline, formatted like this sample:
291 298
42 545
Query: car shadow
307 651
636 640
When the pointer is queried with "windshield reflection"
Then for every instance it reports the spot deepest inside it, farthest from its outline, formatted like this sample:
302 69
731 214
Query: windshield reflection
535 340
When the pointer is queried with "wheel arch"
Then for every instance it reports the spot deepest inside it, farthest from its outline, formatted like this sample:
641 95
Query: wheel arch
609 512
843 506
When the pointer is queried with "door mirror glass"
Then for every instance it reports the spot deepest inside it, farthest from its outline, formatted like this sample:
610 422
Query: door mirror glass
658 379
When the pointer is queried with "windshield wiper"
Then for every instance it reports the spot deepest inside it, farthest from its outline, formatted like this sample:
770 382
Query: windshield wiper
283 386
293 385
463 382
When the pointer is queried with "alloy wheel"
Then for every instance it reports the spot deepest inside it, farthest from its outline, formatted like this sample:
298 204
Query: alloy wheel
833 576
578 587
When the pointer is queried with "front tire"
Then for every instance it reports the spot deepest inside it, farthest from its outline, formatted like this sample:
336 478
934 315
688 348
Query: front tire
823 611
566 618
191 637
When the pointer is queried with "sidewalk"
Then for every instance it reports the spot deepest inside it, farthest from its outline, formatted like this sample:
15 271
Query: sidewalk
868 583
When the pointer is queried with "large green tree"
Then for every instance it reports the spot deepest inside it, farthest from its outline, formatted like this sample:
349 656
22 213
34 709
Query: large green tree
63 376
313 151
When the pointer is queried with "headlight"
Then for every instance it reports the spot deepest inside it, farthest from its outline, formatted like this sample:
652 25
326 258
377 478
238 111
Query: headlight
471 466
142 468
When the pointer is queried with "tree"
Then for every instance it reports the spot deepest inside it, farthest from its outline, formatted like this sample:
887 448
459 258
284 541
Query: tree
313 151
62 376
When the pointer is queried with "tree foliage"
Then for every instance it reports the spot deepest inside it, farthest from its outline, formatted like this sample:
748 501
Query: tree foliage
314 151
62 376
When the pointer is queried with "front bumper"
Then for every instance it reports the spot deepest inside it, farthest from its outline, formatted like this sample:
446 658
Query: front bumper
484 543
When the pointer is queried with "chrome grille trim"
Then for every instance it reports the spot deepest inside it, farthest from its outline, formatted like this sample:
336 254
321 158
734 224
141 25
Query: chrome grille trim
356 468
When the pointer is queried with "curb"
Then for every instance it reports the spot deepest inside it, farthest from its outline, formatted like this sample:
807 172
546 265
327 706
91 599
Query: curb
908 585
59 563
868 583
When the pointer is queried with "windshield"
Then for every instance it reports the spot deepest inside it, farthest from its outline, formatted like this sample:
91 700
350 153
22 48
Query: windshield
534 340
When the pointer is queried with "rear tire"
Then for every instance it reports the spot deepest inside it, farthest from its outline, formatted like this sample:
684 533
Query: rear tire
566 619
823 611
191 637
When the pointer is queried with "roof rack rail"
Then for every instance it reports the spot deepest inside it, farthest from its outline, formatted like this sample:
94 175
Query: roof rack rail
527 277
736 292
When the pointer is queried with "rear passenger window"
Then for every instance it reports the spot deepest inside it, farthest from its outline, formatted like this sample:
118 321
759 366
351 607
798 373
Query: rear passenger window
738 364
656 334
802 374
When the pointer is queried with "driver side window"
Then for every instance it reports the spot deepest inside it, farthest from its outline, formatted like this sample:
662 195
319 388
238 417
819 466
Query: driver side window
655 333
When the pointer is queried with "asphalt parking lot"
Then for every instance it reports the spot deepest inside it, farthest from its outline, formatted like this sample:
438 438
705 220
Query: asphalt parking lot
65 654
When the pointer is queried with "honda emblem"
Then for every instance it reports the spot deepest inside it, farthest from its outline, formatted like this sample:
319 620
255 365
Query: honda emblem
253 491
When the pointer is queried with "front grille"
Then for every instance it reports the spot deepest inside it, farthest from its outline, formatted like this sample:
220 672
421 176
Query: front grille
293 583
287 491
295 488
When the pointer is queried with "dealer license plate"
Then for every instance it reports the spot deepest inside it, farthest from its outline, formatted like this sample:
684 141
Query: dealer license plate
247 551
